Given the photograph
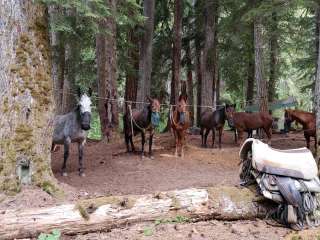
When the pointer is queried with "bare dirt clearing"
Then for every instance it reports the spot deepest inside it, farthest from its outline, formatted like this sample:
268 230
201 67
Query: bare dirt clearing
111 171
210 230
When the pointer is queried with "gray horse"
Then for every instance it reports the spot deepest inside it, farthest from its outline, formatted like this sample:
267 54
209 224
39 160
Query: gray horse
73 127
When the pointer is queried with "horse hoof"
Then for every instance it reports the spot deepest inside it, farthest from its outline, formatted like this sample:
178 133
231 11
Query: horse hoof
64 174
151 157
82 174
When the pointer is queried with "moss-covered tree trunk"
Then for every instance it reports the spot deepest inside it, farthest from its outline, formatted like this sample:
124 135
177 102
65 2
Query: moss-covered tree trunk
26 101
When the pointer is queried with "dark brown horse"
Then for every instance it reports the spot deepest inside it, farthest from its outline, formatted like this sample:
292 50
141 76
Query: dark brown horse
135 122
246 122
306 119
180 122
211 121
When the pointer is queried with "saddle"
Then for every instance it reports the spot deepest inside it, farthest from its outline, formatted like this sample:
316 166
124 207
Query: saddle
296 163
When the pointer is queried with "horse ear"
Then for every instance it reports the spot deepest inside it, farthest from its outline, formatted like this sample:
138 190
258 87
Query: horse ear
90 92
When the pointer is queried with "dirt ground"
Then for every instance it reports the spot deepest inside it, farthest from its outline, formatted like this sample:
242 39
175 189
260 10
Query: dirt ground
210 230
111 171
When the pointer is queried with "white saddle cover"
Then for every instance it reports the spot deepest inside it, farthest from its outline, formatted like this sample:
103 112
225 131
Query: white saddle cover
297 163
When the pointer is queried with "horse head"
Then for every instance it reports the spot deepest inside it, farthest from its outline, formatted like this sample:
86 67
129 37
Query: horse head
154 107
84 105
230 110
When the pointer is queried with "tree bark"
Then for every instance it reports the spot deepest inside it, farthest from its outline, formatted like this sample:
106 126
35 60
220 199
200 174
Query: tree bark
317 94
259 73
145 58
189 81
176 53
132 74
71 59
199 78
26 97
224 203
274 46
251 70
207 83
107 72
58 61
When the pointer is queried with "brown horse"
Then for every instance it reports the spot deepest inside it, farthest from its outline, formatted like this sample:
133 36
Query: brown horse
180 121
306 119
246 122
135 121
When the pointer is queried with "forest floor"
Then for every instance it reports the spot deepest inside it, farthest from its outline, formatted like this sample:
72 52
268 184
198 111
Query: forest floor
111 171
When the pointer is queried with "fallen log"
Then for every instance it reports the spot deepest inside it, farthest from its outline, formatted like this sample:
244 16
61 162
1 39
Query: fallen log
227 203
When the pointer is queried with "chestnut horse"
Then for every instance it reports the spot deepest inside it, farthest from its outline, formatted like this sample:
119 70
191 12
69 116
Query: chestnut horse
246 122
179 122
306 119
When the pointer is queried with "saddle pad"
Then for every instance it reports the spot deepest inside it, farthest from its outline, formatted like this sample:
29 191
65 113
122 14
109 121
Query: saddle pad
298 163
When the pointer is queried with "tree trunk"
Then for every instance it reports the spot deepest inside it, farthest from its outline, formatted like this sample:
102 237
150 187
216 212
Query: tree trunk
273 58
317 33
215 86
199 78
145 58
259 73
176 53
317 94
132 74
26 97
224 203
58 62
107 72
209 54
251 72
189 82
71 59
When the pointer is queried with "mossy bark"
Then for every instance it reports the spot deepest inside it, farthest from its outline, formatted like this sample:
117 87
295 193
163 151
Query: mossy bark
25 95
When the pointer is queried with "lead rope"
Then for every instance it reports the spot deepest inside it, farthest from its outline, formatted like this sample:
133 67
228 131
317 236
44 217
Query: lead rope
133 121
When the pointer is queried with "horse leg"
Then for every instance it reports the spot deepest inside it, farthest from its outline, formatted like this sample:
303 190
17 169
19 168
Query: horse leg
67 142
206 137
126 137
183 143
175 133
220 135
80 148
213 137
150 144
131 143
307 137
240 136
235 136
143 140
202 136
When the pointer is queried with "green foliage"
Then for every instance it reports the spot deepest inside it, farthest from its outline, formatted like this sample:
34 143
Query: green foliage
147 231
54 235
95 130
177 219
